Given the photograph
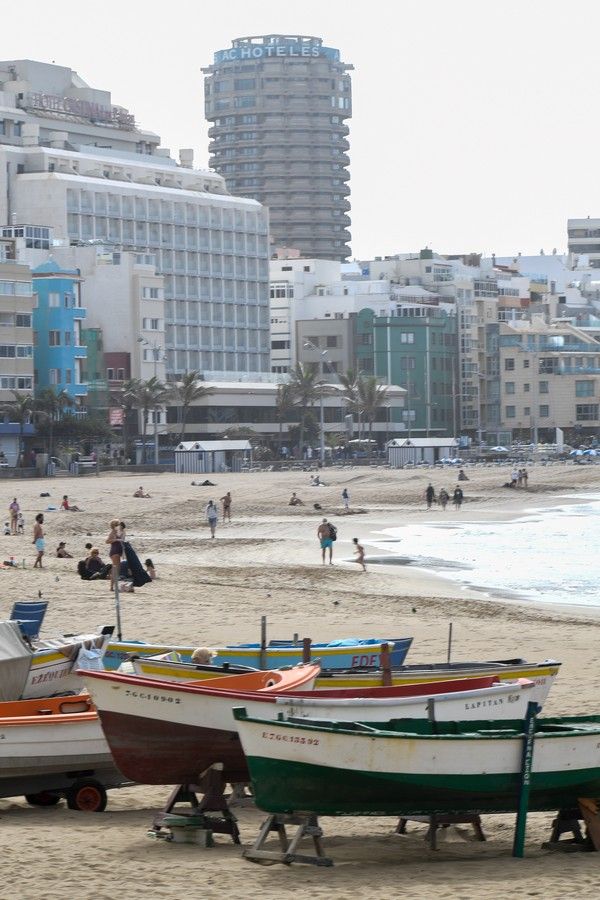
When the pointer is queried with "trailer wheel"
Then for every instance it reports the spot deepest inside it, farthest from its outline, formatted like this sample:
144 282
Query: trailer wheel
87 796
42 799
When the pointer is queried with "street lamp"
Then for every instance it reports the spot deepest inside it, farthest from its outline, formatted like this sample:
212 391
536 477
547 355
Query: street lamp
323 355
156 350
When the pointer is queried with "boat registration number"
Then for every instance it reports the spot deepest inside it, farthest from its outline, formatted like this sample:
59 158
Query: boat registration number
156 698
289 738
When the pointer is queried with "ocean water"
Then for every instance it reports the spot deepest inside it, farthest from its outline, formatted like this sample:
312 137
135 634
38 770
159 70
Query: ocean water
548 555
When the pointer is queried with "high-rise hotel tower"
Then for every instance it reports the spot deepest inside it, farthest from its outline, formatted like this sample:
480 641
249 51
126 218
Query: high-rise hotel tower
277 107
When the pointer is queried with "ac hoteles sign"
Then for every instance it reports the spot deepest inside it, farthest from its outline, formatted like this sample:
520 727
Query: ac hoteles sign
272 51
84 109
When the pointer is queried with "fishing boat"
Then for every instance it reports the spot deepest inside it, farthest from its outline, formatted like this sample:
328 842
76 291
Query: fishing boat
42 667
161 733
348 653
417 767
52 746
542 674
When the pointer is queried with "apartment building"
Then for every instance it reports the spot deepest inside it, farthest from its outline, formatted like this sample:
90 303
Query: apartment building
16 342
277 107
73 161
550 378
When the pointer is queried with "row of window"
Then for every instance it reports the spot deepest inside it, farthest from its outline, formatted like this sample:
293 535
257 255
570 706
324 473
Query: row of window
10 128
192 312
16 288
217 361
66 300
15 320
584 412
582 388
231 338
55 376
18 351
142 208
253 119
16 382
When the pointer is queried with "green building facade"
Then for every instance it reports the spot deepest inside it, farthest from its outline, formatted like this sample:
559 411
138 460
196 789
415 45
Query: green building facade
416 349
97 398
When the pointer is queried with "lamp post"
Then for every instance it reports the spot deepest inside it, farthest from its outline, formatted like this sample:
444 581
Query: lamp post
156 349
323 355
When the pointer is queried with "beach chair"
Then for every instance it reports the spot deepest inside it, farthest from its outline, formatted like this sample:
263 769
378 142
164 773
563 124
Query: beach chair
30 615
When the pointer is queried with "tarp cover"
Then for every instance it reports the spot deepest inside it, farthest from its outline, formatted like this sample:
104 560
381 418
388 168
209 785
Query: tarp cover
15 661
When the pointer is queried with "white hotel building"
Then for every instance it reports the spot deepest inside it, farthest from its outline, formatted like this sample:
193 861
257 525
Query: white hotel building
71 160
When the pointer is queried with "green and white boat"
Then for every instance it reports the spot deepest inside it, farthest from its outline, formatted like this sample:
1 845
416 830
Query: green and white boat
417 767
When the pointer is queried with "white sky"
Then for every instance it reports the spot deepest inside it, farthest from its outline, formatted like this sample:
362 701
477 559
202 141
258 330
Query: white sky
475 123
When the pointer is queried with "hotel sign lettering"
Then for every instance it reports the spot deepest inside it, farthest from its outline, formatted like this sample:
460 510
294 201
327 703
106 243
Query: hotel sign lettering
84 109
272 51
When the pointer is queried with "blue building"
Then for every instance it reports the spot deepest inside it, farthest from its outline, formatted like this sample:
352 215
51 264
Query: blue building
58 353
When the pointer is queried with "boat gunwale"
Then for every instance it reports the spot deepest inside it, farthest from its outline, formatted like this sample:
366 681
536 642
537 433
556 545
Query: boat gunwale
500 733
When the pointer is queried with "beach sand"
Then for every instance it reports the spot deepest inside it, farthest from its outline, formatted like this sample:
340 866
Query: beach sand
267 562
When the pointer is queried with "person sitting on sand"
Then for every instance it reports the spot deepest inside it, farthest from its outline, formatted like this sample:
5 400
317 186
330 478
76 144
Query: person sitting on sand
67 506
295 500
462 476
7 529
150 569
359 552
141 493
62 552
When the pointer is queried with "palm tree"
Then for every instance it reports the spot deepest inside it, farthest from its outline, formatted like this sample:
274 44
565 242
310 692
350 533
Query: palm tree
149 395
349 387
283 406
50 405
19 410
185 393
371 396
127 400
305 390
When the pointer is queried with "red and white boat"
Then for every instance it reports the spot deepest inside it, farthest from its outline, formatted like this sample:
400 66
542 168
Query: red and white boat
169 733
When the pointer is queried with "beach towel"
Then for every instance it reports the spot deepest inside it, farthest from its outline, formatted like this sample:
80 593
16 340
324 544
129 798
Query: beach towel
139 576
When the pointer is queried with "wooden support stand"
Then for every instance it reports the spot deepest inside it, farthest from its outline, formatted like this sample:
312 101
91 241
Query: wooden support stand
211 785
436 822
567 822
307 827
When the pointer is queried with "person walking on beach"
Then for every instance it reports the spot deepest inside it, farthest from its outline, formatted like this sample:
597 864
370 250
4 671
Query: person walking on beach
430 495
38 540
444 496
525 477
212 516
325 533
346 499
226 501
115 539
457 497
359 552
14 510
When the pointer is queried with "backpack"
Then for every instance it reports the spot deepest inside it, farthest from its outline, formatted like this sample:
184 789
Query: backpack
332 532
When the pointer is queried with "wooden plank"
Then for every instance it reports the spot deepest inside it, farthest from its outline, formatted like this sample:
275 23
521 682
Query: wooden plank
590 810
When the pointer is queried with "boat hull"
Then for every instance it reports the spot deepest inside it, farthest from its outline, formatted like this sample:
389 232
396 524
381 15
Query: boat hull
296 768
162 733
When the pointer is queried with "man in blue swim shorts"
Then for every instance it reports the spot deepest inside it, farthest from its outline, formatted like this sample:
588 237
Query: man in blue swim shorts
324 535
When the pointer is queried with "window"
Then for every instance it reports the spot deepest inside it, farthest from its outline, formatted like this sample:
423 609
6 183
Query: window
332 340
526 411
23 320
407 337
509 387
526 388
243 84
509 364
120 374
544 411
54 338
151 293
586 412
151 324
7 351
509 412
25 351
525 363
280 345
407 362
54 375
110 374
67 338
68 376
584 388
53 299
544 387
10 383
